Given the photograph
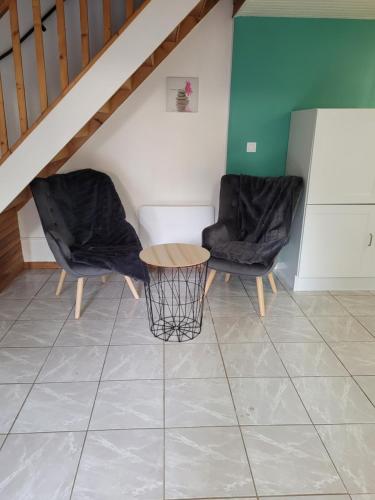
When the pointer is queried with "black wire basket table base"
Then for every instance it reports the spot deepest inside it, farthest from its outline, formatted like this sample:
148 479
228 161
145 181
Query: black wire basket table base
175 301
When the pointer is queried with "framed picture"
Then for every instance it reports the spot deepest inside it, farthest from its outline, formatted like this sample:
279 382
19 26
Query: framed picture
182 94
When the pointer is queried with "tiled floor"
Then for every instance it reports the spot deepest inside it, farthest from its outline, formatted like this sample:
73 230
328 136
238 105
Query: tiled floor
98 409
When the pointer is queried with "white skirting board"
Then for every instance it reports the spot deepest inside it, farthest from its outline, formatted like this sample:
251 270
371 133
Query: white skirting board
321 284
174 224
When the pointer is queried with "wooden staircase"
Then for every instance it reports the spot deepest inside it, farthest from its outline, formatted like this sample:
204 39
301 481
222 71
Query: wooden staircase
11 261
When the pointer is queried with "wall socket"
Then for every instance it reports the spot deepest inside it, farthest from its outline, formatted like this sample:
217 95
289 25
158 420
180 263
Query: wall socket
251 147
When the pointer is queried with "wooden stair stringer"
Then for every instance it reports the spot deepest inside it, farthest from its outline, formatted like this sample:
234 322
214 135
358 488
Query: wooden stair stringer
120 96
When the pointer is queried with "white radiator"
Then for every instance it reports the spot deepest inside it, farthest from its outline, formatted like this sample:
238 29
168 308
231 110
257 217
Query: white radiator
174 224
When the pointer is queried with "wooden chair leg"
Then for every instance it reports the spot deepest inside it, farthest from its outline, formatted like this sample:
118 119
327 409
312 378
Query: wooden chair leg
227 277
130 284
260 291
80 284
271 279
104 278
61 282
209 281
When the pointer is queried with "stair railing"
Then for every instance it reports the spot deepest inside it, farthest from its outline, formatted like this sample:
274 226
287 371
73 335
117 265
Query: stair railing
10 8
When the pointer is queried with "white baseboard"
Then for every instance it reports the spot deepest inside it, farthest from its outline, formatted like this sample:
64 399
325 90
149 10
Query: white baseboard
317 284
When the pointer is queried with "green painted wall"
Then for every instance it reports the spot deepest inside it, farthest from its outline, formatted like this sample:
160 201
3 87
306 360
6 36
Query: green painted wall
283 64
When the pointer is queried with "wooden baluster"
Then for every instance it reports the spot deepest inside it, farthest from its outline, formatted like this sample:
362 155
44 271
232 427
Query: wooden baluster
17 58
39 51
63 55
3 126
85 41
107 20
129 7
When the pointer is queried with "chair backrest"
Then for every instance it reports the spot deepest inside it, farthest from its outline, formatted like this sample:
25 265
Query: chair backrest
77 204
229 199
259 208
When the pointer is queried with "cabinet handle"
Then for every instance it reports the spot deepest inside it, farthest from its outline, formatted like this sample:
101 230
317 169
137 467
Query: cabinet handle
370 240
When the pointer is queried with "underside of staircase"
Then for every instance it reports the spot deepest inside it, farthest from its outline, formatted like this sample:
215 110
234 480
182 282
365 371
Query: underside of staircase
11 260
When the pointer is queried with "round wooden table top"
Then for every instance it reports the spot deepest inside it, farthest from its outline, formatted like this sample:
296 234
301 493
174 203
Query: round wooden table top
174 255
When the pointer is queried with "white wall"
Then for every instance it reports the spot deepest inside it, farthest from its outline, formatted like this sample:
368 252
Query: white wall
155 157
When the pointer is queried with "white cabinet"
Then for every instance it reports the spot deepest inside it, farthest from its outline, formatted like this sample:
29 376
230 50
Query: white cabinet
342 166
333 236
338 241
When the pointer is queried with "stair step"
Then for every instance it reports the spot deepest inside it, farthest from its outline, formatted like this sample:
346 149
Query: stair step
127 85
187 25
120 96
141 74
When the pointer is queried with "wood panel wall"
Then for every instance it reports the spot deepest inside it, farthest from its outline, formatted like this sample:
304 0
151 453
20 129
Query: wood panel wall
11 259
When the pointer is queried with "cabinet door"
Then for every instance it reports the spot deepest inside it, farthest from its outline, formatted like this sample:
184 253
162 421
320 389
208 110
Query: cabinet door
336 241
343 157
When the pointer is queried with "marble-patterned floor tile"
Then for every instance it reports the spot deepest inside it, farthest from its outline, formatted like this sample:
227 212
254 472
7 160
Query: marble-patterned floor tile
340 328
130 331
50 309
119 465
57 407
230 306
368 322
310 497
357 357
34 276
55 276
198 403
233 287
139 286
39 466
12 397
267 401
320 305
363 496
19 290
334 400
21 365
98 309
367 384
251 287
68 292
85 332
4 327
207 334
32 333
73 364
244 328
134 362
279 304
100 290
10 309
2 439
291 329
352 449
358 305
128 404
206 462
252 360
309 359
132 308
290 460
193 361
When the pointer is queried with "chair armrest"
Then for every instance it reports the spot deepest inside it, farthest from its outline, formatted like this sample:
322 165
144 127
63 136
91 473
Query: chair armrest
218 233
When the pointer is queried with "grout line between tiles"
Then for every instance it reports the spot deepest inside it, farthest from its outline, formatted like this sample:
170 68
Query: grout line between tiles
93 405
236 413
35 379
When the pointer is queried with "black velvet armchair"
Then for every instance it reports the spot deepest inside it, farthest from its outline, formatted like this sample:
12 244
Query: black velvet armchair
86 228
255 217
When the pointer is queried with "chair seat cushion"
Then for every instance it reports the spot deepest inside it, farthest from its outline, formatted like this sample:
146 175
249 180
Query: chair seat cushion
226 266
